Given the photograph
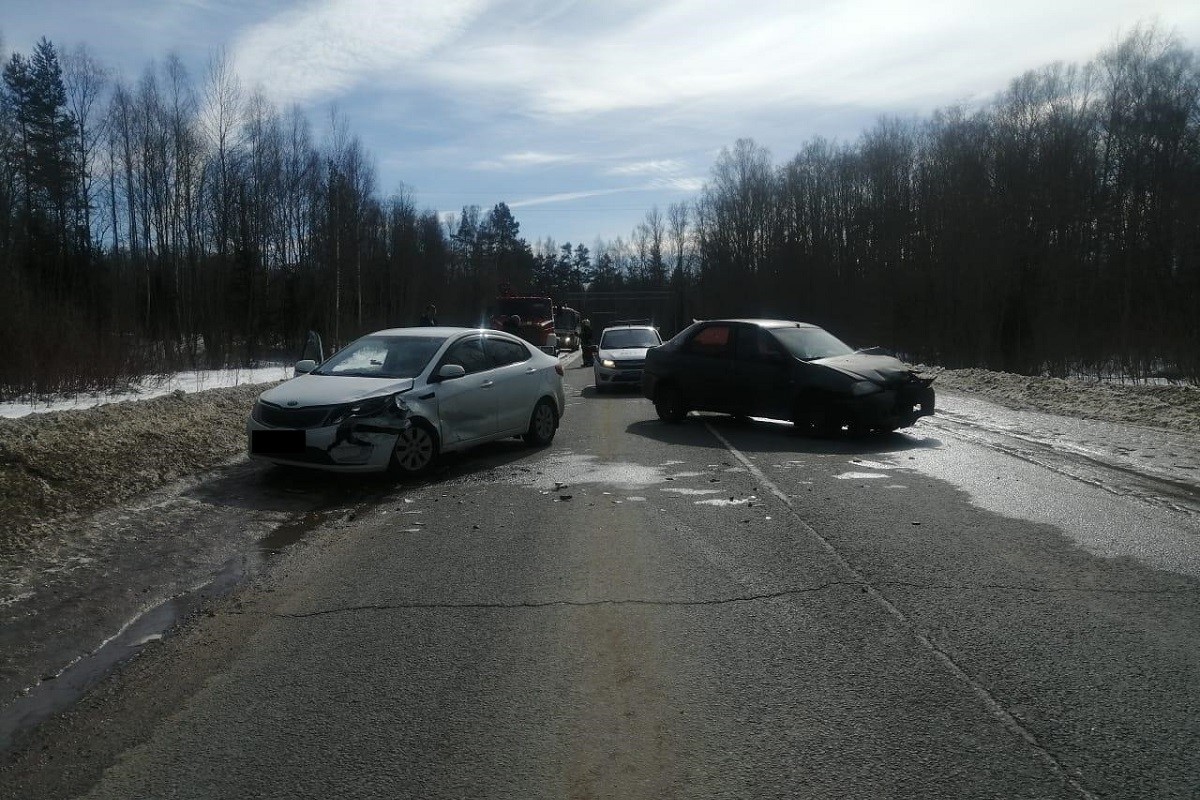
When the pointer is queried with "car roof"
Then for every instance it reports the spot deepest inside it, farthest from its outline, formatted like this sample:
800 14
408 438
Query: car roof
768 323
629 328
438 332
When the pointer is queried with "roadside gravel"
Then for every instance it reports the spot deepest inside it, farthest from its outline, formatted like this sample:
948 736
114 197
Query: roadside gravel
56 466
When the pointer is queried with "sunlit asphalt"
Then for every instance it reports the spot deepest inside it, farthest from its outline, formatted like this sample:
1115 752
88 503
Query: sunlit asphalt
711 609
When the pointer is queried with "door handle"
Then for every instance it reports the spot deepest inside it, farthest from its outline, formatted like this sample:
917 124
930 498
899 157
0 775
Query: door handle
531 370
487 384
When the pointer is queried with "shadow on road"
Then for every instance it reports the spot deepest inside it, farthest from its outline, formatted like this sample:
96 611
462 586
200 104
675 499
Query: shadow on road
612 393
764 436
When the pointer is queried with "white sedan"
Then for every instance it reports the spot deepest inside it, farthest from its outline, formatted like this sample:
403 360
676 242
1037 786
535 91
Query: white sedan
621 355
400 398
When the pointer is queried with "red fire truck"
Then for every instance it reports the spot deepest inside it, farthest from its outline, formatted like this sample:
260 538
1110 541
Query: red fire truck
536 320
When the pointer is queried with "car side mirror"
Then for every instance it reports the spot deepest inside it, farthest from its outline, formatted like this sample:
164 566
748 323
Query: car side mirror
305 366
449 372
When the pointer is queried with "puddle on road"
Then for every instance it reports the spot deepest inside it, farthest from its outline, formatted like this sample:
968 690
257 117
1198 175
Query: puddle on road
57 692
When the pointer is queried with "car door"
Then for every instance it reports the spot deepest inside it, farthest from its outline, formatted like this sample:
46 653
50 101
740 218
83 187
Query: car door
517 382
707 372
764 374
467 405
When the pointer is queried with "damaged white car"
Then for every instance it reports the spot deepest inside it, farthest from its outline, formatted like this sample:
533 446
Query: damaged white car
400 398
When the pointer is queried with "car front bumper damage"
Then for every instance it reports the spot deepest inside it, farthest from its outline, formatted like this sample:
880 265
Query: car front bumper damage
353 445
893 407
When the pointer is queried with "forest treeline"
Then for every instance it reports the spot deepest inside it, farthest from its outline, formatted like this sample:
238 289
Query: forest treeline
1056 230
178 221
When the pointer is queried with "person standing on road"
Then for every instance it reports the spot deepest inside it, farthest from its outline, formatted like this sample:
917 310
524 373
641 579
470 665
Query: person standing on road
585 341
430 318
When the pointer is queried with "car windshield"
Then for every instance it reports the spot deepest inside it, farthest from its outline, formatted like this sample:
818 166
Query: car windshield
383 357
811 343
629 337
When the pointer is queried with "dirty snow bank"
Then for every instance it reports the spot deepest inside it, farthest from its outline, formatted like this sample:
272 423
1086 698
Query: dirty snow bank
148 388
1171 407
54 466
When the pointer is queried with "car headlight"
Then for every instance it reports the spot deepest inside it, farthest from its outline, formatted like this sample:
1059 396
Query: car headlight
370 407
608 362
861 388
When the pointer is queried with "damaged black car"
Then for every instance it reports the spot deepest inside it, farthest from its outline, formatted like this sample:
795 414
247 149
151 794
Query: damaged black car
783 370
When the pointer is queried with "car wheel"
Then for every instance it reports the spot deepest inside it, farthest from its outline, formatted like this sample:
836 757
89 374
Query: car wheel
542 424
668 402
416 449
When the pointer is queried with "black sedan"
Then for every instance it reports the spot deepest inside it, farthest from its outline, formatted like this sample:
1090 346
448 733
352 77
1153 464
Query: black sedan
782 370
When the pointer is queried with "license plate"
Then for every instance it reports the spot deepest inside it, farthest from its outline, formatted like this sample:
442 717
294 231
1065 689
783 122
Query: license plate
277 443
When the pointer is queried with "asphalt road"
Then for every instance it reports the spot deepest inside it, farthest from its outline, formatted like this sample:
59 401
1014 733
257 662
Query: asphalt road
712 609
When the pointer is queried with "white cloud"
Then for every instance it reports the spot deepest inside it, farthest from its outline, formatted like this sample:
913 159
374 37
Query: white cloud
327 46
565 197
525 159
724 55
662 166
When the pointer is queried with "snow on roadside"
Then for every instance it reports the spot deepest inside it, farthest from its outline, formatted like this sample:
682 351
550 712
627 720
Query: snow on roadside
1171 407
55 466
150 387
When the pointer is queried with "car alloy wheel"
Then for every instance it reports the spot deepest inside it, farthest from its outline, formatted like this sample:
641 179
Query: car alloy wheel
416 449
542 424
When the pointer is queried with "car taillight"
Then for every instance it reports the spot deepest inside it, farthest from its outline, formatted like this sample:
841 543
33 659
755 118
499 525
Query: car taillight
558 369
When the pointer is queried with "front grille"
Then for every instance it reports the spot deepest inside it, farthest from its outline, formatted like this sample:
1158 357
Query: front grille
279 417
631 364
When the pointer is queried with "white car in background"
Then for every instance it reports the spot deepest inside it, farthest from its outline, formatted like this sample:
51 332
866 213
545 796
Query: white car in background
621 355
400 398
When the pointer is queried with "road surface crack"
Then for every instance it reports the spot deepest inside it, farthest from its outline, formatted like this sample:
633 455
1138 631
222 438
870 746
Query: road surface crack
1006 587
537 604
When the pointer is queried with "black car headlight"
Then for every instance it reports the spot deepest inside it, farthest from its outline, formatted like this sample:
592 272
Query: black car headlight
864 388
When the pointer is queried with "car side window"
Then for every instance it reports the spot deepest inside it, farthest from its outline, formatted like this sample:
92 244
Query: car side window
713 341
755 344
469 354
504 352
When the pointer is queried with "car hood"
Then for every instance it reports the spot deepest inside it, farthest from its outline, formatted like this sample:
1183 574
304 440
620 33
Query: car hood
625 353
328 390
877 369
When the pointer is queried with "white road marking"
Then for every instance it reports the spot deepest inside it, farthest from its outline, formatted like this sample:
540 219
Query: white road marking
988 699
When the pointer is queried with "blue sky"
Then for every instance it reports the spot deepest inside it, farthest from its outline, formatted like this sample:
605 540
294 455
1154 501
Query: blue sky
583 115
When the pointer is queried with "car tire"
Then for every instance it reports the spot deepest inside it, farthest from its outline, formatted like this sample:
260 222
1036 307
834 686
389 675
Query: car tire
668 403
543 424
416 449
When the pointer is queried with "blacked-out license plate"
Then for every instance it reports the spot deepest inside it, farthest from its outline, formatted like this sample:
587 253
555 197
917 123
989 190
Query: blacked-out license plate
277 443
